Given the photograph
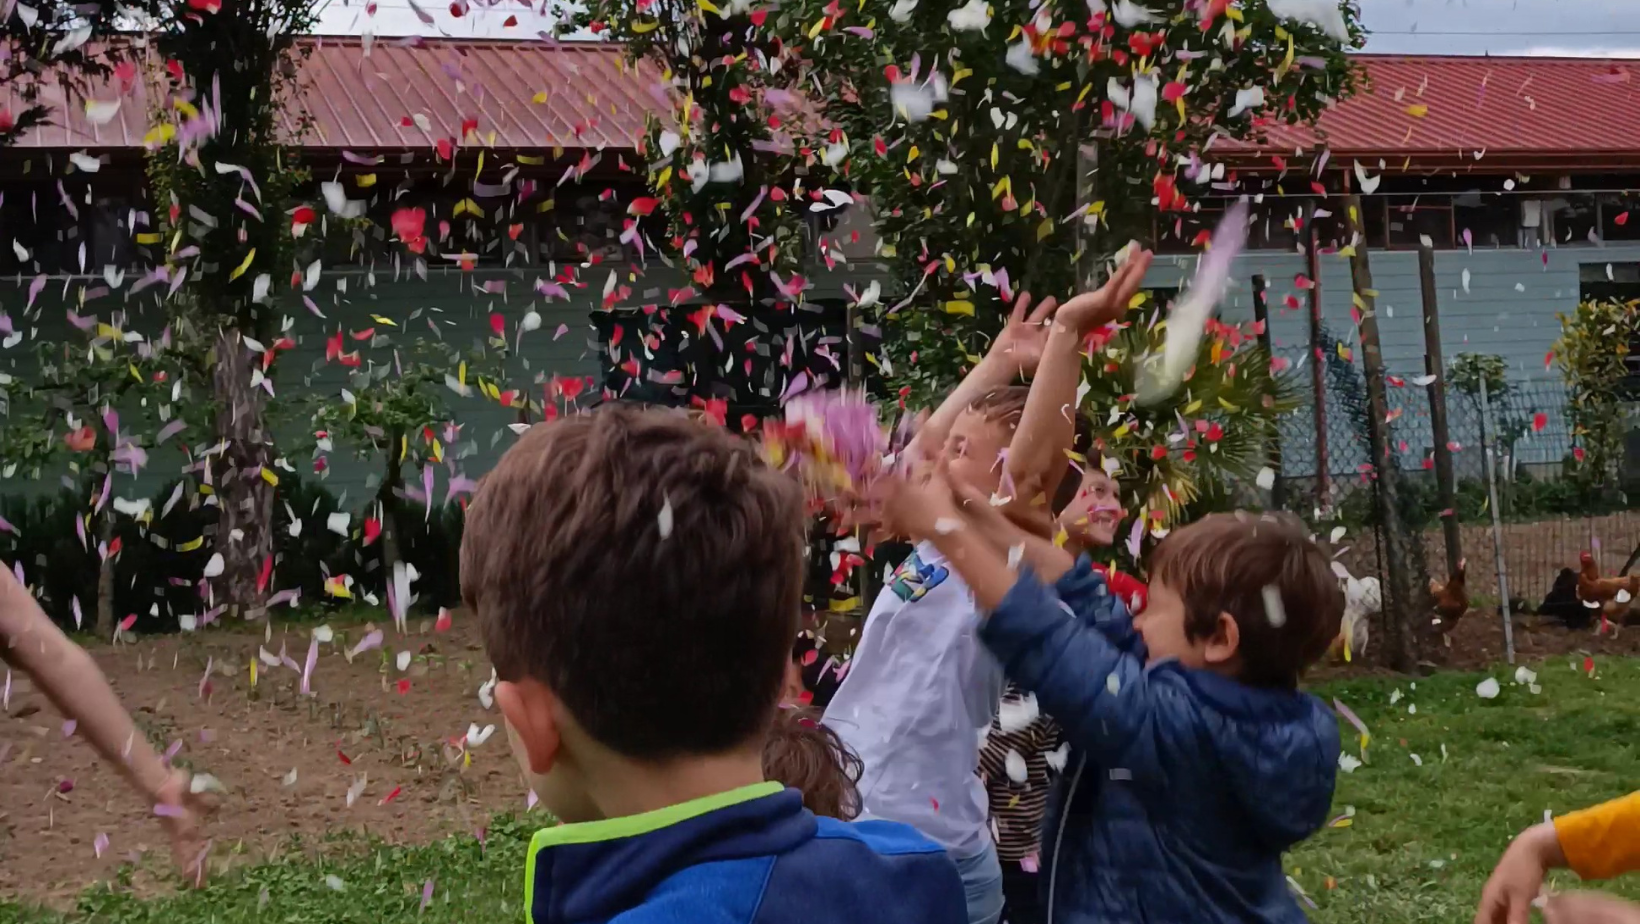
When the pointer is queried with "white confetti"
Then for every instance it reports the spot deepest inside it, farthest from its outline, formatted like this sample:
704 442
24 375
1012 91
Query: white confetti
404 659
338 522
1488 688
1016 715
663 520
1274 611
1014 763
1113 683
1348 763
1266 478
214 567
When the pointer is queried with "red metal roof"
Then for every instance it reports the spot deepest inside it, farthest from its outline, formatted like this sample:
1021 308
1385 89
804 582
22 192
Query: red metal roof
1537 111
1553 110
590 97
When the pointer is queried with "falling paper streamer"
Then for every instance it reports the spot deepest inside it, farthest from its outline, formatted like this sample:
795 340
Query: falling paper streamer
398 597
307 669
371 640
1159 377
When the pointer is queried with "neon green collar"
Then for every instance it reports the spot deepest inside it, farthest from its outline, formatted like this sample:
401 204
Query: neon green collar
610 829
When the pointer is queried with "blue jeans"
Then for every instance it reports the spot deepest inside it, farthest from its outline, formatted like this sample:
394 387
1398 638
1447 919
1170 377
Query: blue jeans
982 882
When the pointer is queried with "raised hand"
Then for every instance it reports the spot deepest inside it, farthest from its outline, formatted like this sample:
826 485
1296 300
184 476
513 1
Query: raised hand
1092 310
1023 338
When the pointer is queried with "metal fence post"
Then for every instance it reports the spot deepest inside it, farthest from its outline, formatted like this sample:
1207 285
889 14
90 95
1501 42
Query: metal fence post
1433 366
1404 596
1318 380
1497 524
1261 316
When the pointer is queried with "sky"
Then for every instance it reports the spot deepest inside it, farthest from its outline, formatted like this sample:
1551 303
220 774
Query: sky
1471 27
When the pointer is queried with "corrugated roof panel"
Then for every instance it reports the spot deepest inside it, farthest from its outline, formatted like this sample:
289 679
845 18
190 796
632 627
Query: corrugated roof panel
1474 106
356 100
1470 106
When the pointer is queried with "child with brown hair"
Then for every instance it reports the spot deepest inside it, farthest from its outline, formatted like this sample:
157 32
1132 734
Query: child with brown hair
638 579
1199 760
810 758
921 688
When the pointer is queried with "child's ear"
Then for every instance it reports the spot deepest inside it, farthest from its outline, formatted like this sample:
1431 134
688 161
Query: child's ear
1222 645
528 706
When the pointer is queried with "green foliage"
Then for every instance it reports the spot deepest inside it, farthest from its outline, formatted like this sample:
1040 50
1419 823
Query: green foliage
1231 400
722 175
222 180
1592 354
968 139
1469 369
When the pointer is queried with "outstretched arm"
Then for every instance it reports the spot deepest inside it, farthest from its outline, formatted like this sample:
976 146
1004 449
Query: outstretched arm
68 677
1099 692
1047 428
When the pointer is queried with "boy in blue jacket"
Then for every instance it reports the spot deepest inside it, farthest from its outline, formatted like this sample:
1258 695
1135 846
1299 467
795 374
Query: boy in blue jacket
638 577
1197 761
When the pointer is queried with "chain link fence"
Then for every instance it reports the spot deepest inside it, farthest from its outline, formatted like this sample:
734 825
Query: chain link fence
1546 517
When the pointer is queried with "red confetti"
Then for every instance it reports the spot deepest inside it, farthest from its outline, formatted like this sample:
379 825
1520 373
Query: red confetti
345 759
1539 421
391 796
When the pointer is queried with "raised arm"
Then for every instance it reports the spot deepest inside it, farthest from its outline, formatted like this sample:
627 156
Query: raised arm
31 642
1047 428
1017 351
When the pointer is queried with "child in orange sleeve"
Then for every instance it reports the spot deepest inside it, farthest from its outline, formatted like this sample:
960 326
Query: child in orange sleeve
1596 843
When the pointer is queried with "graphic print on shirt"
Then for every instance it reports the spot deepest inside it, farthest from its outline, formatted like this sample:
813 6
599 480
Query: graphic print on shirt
913 579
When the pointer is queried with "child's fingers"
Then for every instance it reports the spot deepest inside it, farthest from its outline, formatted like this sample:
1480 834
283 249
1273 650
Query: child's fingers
1044 311
1589 908
1022 304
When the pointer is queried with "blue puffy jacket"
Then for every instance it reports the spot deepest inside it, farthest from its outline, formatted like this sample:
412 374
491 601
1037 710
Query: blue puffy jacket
749 856
1187 786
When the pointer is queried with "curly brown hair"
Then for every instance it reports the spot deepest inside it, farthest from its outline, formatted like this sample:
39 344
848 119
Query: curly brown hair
809 757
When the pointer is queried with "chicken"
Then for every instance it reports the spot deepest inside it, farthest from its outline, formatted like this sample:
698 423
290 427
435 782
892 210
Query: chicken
1362 599
1451 599
1611 596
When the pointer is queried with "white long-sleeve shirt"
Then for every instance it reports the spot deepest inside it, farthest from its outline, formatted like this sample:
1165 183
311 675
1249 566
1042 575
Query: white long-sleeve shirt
919 695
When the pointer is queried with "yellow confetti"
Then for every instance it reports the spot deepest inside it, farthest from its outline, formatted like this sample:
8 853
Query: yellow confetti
650 26
959 306
253 672
381 320
366 180
191 544
912 154
1417 110
269 476
148 237
240 271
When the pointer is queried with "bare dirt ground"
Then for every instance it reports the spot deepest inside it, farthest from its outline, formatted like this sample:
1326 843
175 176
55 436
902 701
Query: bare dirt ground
287 761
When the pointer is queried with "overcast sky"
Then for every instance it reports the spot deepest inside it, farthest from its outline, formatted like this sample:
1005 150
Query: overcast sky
1538 27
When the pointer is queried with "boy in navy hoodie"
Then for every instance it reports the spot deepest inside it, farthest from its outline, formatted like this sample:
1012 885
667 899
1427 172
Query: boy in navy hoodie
638 578
1196 759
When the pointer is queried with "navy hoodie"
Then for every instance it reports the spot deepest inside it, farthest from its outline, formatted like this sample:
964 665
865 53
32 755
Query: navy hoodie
1186 786
753 855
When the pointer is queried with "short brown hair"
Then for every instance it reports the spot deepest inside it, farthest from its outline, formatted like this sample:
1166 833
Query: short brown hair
1223 563
811 758
1006 404
645 568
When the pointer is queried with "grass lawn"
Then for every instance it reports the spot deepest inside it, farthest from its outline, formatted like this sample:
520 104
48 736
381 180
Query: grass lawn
1421 841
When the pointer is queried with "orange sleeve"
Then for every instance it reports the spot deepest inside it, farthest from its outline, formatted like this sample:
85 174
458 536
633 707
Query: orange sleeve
1603 841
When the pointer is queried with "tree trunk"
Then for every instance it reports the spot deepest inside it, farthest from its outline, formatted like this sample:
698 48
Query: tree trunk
244 535
392 480
104 626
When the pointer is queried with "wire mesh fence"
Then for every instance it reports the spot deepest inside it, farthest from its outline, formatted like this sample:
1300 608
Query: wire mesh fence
1546 516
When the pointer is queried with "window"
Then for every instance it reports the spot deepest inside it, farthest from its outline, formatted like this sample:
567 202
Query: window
1573 218
1620 217
1412 218
1489 219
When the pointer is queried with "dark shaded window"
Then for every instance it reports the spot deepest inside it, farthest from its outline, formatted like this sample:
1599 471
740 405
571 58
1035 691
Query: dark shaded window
1490 220
1412 218
1573 218
1620 217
